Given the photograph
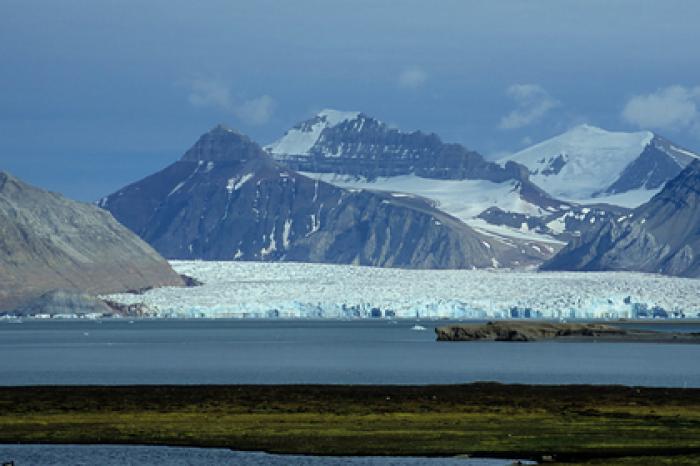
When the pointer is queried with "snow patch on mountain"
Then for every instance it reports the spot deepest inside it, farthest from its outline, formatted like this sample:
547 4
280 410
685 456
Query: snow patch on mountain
628 199
335 117
463 199
234 184
300 139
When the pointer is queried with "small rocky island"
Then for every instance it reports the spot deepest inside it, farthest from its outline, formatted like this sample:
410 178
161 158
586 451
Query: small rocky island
539 331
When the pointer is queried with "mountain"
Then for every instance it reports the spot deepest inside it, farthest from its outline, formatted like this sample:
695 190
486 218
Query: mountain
589 164
352 143
227 199
49 242
355 151
661 236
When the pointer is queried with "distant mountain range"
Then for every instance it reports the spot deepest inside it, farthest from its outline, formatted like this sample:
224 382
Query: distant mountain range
227 199
550 192
343 187
49 242
355 151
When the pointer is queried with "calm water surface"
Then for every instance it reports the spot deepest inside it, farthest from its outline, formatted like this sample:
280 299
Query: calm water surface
359 352
118 455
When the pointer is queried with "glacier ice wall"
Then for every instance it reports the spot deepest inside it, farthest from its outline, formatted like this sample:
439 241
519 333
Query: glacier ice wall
295 290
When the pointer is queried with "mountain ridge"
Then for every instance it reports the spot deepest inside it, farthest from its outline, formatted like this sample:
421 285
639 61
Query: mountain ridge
250 207
660 236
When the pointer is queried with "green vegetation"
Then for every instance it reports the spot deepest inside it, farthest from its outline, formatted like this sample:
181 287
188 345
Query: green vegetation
571 423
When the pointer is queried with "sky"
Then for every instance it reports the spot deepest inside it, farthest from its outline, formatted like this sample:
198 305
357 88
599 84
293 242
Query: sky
95 94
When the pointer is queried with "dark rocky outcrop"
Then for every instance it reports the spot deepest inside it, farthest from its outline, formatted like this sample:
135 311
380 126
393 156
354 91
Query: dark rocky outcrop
537 331
49 242
661 236
129 310
565 223
227 199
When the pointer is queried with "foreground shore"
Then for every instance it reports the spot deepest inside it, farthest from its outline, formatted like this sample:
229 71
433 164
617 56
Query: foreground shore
565 423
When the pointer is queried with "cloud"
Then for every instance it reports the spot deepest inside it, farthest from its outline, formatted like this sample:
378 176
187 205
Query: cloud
209 93
412 78
670 108
532 103
256 111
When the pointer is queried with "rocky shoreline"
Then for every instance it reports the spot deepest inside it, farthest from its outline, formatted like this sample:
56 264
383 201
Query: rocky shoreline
542 331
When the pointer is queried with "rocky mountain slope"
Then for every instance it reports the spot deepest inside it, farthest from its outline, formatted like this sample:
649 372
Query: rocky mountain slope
661 236
227 199
355 151
589 164
353 143
49 242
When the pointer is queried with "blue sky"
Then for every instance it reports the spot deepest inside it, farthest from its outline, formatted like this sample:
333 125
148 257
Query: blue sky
98 93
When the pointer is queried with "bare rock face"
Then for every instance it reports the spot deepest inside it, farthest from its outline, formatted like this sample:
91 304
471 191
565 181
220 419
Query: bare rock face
661 236
353 143
65 302
48 242
227 199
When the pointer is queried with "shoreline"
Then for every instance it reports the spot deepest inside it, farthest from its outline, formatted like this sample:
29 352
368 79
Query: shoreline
482 420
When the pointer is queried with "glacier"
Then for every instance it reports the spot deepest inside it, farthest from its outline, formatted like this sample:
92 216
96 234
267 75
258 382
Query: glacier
304 290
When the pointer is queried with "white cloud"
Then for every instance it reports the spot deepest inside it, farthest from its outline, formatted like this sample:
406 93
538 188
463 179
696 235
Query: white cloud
412 78
210 93
670 108
532 103
216 94
256 111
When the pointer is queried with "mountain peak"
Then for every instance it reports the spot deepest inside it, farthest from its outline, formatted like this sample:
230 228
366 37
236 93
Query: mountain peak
334 117
222 143
587 128
301 138
582 162
6 177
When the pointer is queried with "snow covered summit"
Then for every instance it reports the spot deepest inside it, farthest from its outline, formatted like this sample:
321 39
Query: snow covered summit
588 163
301 139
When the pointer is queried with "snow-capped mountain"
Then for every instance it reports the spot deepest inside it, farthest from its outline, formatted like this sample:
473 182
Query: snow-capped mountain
355 151
300 140
227 199
660 236
352 143
589 164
